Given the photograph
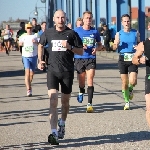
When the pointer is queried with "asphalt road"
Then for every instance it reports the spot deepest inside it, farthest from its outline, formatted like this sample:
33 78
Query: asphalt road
24 122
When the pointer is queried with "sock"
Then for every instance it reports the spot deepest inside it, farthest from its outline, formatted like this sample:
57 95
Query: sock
82 90
55 131
131 87
62 122
126 95
90 91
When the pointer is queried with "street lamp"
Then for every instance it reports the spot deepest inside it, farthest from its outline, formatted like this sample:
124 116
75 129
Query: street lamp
30 14
36 9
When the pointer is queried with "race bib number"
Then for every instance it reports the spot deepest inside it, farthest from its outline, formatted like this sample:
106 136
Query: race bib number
57 46
88 41
28 49
128 57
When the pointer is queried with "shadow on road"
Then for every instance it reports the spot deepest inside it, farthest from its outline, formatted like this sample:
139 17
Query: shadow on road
14 73
81 142
98 108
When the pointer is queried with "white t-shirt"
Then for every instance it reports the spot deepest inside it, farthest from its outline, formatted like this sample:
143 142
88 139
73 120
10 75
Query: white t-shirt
8 35
29 48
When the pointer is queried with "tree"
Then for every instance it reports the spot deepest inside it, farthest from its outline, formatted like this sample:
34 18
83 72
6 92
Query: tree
135 25
147 20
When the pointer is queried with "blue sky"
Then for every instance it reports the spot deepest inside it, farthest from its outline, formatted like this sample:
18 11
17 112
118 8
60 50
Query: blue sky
22 8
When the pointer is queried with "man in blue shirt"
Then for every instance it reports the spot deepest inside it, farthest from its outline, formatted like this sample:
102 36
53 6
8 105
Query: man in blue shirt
85 64
125 41
46 54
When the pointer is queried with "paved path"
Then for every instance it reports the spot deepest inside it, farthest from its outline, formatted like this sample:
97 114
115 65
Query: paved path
24 122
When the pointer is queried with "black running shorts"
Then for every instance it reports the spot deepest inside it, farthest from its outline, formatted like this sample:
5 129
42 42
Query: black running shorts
81 64
126 66
65 79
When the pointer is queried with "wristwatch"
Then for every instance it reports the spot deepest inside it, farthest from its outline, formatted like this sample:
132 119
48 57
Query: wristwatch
72 48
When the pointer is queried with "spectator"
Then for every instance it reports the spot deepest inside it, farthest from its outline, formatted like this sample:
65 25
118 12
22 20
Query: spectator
107 37
113 31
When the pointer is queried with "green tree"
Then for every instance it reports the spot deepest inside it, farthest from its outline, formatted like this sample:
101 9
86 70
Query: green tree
135 25
147 20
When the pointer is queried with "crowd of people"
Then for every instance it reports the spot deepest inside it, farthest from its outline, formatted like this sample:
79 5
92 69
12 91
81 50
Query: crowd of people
60 49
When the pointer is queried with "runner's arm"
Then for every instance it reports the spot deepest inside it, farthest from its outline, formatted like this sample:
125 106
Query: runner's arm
138 54
42 43
116 41
98 42
40 52
76 45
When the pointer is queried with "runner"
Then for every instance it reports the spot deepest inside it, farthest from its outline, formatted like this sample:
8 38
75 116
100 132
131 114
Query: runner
19 33
143 48
29 42
6 36
35 27
125 41
79 22
86 64
62 44
46 54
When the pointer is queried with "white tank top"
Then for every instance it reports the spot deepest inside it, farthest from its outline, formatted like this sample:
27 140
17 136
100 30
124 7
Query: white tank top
8 35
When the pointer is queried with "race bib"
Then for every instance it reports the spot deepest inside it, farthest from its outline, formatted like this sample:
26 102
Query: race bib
28 48
57 46
128 56
88 41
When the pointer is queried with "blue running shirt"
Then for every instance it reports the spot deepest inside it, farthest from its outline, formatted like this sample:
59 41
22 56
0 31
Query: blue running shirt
89 38
127 41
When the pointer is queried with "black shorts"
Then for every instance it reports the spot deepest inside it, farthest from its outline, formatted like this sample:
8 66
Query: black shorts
126 66
147 84
81 64
64 78
6 40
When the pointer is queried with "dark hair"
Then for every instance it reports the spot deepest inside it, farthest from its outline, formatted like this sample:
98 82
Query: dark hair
125 15
43 22
34 19
22 23
87 12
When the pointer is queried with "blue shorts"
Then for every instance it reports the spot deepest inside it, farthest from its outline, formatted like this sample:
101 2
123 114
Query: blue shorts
30 62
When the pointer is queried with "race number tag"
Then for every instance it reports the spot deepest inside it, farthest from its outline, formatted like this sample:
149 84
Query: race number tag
57 46
128 56
28 48
88 41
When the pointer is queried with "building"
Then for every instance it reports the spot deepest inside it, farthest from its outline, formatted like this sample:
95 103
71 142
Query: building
134 14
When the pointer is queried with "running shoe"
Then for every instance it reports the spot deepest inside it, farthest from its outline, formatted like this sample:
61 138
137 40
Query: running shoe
29 93
53 139
80 97
127 106
89 108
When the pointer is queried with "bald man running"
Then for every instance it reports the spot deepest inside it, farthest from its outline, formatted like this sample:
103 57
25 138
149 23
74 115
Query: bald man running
63 43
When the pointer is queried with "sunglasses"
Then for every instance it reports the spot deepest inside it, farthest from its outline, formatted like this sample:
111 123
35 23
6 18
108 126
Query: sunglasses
29 28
